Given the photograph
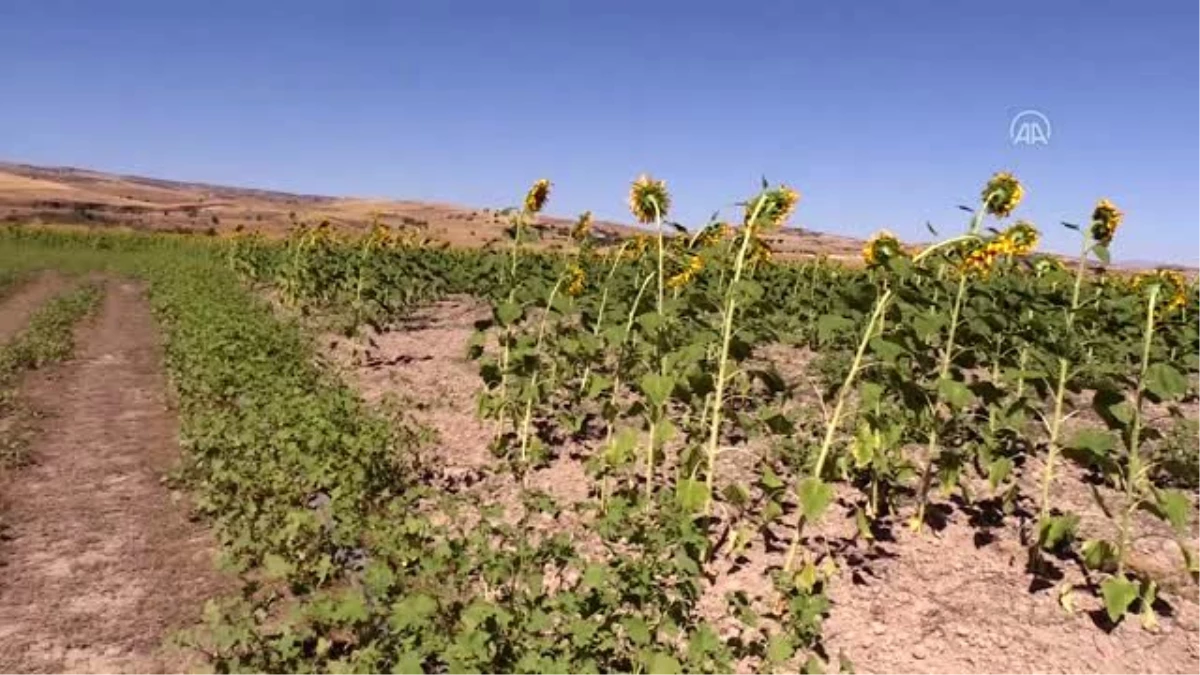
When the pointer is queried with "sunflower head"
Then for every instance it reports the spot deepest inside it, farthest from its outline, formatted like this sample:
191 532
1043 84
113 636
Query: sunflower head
778 204
536 198
981 260
1045 265
648 199
583 227
1002 194
691 269
760 252
713 233
381 236
1173 287
1022 237
1106 218
576 280
882 247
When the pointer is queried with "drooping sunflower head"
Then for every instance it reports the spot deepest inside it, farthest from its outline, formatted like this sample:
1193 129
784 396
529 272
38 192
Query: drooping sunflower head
778 204
712 234
637 247
536 198
882 247
981 260
576 280
1022 237
648 199
685 276
1173 287
1002 194
1046 265
1106 218
760 252
583 227
381 235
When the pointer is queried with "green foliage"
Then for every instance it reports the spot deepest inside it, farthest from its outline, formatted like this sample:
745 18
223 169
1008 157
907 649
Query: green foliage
48 338
694 440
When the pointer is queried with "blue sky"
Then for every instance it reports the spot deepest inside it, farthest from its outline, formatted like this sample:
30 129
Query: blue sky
882 114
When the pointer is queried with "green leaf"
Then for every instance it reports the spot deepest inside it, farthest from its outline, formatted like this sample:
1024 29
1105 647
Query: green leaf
691 495
657 387
1175 507
637 630
769 480
1102 254
886 350
1096 441
956 394
815 496
409 662
736 494
1098 554
598 384
780 648
1119 593
595 576
1165 382
813 666
748 291
926 325
1056 530
276 567
507 313
830 324
663 664
998 470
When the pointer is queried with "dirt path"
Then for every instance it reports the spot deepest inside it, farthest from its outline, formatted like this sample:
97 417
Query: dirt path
20 305
100 562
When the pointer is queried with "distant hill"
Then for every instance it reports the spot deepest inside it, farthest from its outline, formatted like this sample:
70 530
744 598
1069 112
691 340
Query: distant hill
84 196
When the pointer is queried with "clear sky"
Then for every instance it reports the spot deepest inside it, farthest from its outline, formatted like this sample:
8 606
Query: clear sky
883 114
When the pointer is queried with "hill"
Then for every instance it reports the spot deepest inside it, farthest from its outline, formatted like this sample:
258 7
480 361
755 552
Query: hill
83 196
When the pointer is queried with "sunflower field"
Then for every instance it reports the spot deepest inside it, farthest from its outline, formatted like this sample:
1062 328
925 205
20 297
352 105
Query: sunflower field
968 370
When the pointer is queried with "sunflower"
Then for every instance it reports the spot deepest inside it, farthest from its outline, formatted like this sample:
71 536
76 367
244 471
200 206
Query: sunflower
381 236
694 265
578 279
536 198
712 234
981 260
583 227
1173 286
1106 218
1002 194
1022 237
641 243
882 246
777 206
760 252
648 199
1045 265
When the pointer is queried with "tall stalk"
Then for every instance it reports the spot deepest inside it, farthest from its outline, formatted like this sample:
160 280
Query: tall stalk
1060 388
1133 466
599 323
943 371
533 383
714 433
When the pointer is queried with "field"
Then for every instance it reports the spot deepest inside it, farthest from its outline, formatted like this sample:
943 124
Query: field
359 449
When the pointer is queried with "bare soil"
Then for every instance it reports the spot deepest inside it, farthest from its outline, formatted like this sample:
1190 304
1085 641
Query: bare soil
100 562
955 598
